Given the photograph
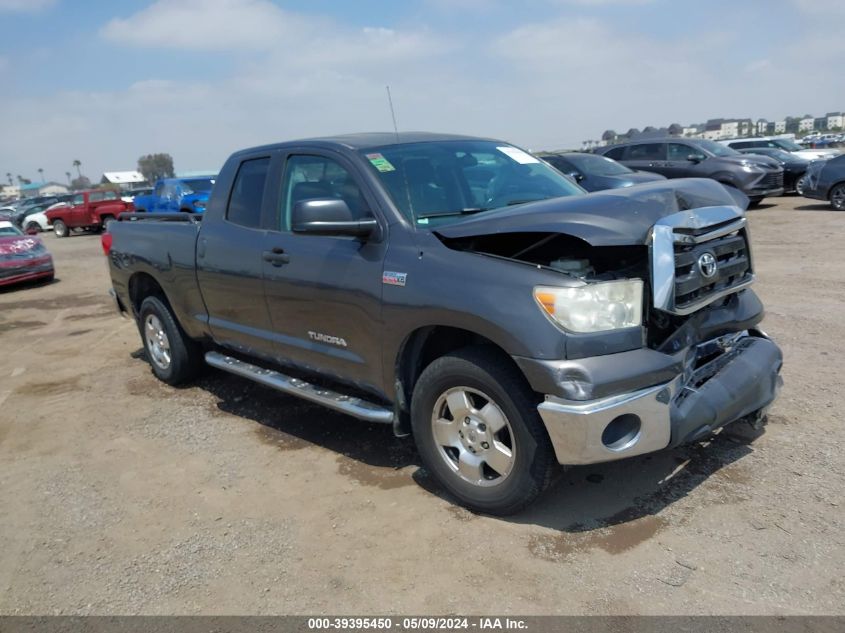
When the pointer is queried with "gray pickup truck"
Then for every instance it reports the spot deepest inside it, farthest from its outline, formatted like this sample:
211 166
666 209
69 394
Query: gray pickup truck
465 292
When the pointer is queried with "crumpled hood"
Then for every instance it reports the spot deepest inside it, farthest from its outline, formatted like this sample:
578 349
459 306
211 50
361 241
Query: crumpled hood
616 217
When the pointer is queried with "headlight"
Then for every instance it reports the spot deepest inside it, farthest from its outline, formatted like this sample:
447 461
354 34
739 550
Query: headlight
595 307
199 204
753 168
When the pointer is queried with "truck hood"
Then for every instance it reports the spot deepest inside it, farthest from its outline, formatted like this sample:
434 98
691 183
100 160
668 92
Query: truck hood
616 217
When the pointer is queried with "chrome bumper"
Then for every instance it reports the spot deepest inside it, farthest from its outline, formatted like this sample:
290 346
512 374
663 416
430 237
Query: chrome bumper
739 384
576 428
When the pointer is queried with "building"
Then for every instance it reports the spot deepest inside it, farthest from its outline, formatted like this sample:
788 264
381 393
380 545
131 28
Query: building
835 121
780 127
10 191
43 189
806 124
124 179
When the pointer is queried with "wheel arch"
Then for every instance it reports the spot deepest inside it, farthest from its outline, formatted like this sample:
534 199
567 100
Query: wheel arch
142 285
423 346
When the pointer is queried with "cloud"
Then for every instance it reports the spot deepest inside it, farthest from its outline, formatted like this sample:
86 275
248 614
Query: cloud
25 6
208 25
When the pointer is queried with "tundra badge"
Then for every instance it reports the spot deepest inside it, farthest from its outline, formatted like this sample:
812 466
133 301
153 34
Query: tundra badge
393 279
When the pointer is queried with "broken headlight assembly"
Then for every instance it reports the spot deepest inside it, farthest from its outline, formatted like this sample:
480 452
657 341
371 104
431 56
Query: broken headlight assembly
594 307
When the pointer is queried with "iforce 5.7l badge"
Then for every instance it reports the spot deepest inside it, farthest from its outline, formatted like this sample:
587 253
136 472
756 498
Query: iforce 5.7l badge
393 279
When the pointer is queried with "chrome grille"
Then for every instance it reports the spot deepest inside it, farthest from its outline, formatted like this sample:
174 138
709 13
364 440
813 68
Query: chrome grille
698 257
773 180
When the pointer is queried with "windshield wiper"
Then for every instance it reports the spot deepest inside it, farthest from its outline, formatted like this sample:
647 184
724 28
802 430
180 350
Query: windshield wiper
445 214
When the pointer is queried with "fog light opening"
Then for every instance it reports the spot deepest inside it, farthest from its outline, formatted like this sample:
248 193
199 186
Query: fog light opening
622 432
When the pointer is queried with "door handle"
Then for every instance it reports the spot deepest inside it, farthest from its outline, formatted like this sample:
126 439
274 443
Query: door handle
276 257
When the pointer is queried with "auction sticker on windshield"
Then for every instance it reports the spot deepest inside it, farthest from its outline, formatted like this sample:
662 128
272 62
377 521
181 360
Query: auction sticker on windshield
523 158
380 162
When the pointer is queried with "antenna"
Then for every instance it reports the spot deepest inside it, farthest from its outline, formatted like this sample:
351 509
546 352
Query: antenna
392 113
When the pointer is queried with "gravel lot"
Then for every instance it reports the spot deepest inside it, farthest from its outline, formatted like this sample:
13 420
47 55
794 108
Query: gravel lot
121 495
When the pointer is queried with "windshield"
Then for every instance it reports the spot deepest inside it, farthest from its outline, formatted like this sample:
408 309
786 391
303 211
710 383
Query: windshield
437 182
7 230
197 185
779 154
717 149
598 165
785 143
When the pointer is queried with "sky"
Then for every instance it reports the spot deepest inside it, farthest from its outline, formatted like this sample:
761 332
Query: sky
106 81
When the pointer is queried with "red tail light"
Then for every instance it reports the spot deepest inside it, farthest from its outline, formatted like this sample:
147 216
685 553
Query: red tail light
105 240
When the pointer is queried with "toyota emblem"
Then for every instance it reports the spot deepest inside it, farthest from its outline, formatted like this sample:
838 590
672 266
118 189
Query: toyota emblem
707 265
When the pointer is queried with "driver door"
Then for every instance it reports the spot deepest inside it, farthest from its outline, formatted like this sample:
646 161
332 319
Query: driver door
324 292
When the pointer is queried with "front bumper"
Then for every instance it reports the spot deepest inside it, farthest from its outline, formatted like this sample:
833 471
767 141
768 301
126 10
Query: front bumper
741 381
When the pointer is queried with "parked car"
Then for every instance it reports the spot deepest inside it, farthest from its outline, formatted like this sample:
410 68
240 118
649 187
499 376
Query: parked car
780 142
30 218
595 173
188 195
91 210
22 257
465 292
826 181
794 167
756 176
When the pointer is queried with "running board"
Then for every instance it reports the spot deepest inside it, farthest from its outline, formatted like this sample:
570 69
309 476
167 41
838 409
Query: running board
356 407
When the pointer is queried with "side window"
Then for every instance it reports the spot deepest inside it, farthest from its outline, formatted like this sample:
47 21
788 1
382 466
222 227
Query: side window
615 153
110 195
680 153
95 196
78 199
646 151
561 164
159 190
313 177
248 193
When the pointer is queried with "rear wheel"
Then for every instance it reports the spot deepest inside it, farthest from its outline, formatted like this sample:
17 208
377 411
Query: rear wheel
106 221
477 430
60 228
32 227
173 356
837 197
800 185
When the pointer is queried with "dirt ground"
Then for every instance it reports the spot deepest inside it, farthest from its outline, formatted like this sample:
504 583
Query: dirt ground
120 495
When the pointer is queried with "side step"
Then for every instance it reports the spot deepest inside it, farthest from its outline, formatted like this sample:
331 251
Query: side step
350 405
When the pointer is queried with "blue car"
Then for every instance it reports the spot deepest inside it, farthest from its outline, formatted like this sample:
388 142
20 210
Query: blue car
596 173
173 195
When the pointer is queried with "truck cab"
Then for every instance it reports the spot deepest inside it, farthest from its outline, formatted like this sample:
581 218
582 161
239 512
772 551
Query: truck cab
91 210
174 195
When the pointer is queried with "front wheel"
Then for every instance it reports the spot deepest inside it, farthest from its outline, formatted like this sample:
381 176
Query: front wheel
478 432
60 228
174 357
32 228
800 185
837 197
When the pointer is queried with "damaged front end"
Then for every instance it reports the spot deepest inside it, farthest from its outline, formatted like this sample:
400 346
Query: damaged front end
699 361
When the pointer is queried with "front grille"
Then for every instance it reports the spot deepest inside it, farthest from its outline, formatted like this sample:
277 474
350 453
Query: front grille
773 180
732 268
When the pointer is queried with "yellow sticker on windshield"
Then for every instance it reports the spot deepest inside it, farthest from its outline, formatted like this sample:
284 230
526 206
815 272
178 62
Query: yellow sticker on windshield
380 162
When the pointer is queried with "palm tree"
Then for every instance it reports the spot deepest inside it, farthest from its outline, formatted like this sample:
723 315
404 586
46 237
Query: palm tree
9 176
20 179
40 173
67 173
78 163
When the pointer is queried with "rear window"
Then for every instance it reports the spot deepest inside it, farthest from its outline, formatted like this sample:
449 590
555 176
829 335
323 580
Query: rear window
248 193
616 153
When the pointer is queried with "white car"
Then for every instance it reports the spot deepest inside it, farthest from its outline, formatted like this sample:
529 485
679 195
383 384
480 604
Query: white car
781 142
37 222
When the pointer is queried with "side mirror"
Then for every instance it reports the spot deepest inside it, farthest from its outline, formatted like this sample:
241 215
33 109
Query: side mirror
696 158
576 176
330 216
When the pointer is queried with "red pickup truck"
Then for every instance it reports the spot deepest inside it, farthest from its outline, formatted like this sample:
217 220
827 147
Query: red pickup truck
91 210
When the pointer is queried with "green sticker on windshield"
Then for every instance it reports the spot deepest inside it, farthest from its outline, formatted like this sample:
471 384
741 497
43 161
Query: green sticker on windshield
380 162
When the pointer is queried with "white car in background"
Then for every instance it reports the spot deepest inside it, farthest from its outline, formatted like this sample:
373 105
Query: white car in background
781 142
37 222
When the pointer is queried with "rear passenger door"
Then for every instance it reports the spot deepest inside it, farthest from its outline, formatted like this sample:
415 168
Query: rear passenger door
678 163
324 292
230 268
646 157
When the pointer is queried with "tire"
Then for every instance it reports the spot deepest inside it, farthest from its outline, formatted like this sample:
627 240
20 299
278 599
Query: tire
754 202
173 356
108 219
486 394
32 227
60 228
800 185
837 197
